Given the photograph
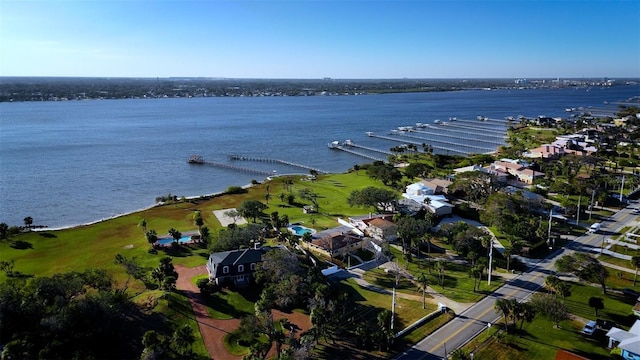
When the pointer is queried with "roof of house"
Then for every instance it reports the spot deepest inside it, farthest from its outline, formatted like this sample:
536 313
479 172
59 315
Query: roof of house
563 354
629 340
236 257
335 241
437 185
380 223
507 165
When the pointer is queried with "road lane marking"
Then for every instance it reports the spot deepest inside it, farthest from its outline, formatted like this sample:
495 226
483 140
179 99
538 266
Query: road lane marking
509 295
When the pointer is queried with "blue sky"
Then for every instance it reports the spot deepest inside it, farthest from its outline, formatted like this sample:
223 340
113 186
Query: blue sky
321 38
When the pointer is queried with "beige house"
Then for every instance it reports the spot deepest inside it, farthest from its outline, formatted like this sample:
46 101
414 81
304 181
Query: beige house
335 244
382 229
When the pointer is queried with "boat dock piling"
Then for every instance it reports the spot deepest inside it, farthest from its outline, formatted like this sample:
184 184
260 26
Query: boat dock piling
492 142
277 161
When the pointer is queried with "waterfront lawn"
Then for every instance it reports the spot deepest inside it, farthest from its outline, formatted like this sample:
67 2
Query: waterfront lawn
332 190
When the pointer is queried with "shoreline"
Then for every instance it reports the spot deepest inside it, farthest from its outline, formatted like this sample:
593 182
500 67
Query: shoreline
205 196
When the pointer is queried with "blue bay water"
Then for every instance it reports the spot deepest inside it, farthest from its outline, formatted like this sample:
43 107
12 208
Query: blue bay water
67 163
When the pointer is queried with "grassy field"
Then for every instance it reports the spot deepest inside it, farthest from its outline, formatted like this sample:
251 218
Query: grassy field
457 285
540 340
372 303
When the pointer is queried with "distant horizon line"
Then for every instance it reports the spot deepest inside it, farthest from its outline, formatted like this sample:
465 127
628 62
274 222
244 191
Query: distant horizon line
313 78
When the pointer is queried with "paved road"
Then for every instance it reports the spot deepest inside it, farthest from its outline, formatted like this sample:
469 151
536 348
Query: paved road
476 319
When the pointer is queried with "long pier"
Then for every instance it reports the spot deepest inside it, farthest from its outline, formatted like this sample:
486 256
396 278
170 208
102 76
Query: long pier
492 142
474 128
199 160
456 130
352 144
447 142
335 145
370 134
277 161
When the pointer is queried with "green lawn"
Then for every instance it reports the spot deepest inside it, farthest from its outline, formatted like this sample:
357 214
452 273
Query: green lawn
458 285
540 340
177 308
617 308
229 304
372 303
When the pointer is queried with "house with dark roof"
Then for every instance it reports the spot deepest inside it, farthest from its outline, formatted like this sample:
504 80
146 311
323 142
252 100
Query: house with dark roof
235 266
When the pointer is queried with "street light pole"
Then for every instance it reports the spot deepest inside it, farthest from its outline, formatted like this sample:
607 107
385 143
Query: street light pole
490 260
593 194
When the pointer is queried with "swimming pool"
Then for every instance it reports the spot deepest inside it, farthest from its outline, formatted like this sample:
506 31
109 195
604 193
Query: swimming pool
168 241
300 230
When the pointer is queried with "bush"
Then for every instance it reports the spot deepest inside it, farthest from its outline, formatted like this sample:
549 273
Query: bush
207 288
236 190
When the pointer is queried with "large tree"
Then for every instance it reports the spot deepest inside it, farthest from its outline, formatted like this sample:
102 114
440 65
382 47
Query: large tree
411 230
378 198
550 307
251 209
585 267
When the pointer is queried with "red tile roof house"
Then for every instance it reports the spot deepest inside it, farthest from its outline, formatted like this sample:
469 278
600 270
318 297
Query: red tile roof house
381 229
235 266
335 244
518 171
546 151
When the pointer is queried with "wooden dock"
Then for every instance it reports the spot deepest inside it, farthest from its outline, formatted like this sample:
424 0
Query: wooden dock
482 148
350 143
447 149
277 161
474 128
486 141
337 146
199 160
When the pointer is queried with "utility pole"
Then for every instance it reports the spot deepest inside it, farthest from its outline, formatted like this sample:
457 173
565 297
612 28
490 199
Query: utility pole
621 187
549 231
393 307
593 194
490 260
578 215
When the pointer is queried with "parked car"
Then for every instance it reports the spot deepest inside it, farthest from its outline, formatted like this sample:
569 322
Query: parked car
604 324
594 228
630 293
589 328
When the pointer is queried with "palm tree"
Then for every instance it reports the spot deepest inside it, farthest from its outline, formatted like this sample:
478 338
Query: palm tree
151 236
423 282
175 234
503 306
182 340
635 261
143 225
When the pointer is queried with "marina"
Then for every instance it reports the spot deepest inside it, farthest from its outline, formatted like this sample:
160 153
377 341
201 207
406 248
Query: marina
445 148
146 142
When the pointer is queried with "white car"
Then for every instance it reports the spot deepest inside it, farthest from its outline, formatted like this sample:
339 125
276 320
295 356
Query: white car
636 211
589 328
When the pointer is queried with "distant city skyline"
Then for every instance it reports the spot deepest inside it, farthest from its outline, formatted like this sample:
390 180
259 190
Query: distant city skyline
288 39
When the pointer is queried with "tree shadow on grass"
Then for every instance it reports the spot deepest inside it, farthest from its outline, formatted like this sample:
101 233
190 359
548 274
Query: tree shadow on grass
21 245
47 235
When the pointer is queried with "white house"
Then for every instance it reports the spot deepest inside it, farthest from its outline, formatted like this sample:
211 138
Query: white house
627 341
422 194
